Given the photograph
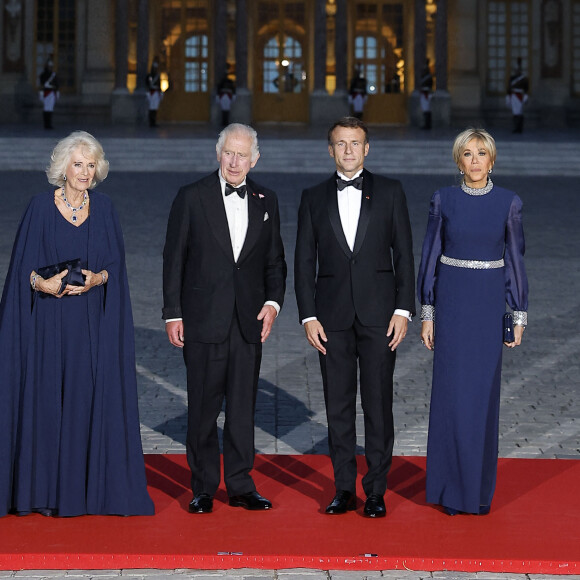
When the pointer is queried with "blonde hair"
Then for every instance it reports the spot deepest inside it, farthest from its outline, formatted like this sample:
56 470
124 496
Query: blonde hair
466 136
62 153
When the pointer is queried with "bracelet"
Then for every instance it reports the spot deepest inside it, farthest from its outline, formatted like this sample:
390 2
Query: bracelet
427 312
104 278
33 281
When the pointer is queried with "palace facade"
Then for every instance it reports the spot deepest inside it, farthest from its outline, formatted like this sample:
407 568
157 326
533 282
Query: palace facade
291 60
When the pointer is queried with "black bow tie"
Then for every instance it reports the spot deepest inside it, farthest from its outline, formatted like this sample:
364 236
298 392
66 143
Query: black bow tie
241 191
357 182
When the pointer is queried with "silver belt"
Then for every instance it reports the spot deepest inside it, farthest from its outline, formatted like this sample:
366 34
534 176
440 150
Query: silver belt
473 264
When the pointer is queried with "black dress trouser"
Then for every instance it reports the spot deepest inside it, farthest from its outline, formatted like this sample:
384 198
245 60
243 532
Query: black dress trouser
229 370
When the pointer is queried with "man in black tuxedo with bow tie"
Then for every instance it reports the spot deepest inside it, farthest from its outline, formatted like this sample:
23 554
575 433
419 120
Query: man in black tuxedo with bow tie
224 277
354 282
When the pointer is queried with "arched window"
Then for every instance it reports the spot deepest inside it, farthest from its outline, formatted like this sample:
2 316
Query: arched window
282 65
379 45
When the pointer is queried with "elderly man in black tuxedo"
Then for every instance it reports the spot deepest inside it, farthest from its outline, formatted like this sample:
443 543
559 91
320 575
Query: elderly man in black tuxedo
354 278
224 277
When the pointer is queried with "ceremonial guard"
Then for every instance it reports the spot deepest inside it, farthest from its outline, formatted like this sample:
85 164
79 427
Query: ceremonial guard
154 92
48 92
426 89
517 96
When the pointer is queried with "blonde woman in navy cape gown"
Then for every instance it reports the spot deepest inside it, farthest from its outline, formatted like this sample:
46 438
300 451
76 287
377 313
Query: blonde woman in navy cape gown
69 424
472 265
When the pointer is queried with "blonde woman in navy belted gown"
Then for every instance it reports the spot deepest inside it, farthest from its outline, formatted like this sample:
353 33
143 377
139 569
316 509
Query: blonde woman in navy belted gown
472 265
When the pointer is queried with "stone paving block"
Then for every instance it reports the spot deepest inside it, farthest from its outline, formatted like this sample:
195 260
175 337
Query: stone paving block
355 574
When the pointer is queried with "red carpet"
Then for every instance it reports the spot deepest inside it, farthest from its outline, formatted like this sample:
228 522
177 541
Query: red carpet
534 525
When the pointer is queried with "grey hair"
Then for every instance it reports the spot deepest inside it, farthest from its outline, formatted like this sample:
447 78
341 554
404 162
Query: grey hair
238 128
466 136
62 153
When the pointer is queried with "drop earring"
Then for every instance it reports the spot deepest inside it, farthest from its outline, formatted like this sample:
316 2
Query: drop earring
490 170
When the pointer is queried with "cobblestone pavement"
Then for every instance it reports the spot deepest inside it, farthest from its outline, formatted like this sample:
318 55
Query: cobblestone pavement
540 406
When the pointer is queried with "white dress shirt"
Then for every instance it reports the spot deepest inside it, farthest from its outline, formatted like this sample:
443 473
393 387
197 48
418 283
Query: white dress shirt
349 203
237 214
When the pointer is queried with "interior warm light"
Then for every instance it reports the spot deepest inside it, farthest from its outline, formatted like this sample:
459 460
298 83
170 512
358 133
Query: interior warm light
164 81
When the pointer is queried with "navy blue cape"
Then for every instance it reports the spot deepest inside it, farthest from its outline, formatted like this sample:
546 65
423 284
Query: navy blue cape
31 378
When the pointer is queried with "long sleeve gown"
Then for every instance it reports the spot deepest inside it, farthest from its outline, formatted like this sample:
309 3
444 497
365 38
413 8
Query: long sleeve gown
469 304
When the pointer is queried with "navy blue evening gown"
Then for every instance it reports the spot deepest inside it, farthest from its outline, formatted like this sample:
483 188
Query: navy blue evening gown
469 305
69 422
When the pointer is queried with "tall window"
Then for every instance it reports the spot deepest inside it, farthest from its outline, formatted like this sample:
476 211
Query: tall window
281 26
508 31
378 45
196 63
282 70
56 39
576 48
185 50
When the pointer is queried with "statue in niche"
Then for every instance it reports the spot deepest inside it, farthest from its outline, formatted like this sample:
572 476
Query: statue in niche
551 38
13 32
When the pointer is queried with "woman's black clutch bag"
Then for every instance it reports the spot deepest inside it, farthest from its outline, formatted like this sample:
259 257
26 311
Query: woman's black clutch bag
74 277
508 327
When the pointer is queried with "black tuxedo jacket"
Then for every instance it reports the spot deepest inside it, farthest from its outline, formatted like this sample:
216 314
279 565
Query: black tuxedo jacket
336 284
202 284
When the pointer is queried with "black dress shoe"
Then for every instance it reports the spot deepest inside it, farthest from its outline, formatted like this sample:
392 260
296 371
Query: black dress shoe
202 503
343 501
450 511
375 506
251 501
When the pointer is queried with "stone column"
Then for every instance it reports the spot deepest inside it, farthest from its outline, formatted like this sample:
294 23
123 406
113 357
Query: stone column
96 61
324 108
121 44
123 106
441 46
220 40
220 46
242 107
139 96
441 103
320 46
341 46
142 42
420 52
419 56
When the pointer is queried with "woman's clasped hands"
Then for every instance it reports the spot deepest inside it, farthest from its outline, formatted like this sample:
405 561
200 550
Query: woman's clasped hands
53 285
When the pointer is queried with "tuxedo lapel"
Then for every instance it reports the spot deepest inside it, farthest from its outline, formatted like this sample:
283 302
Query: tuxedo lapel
256 213
215 212
334 215
365 211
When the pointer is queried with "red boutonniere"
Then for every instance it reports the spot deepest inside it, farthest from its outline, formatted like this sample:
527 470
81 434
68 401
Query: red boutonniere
367 196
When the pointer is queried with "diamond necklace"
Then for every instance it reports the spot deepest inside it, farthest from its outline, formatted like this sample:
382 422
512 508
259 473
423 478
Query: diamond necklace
74 209
477 190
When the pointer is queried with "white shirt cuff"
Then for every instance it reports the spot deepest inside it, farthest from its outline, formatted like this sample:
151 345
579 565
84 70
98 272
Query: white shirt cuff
404 313
274 304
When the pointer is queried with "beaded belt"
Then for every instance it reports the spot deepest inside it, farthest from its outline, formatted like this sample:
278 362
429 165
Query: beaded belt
473 264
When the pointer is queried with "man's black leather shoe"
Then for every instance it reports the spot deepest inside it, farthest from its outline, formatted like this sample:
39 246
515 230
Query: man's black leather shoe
202 503
251 501
343 501
375 506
